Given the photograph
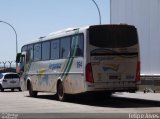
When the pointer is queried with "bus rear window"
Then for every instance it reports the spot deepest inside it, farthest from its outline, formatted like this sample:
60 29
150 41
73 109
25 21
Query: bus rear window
113 36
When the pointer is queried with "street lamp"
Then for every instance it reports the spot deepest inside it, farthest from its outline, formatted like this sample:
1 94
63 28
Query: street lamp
15 34
98 10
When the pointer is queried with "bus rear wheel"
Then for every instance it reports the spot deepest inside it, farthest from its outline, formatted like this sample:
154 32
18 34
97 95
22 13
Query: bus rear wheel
20 89
60 92
31 92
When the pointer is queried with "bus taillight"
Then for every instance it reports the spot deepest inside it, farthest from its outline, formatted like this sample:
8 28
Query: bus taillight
138 72
89 74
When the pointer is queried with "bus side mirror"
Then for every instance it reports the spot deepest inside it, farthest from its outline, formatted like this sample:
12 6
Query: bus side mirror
18 57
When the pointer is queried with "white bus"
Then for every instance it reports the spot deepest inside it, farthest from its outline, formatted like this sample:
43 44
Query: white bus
94 59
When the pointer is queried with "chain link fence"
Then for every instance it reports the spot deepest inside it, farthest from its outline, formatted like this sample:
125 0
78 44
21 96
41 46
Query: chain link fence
7 66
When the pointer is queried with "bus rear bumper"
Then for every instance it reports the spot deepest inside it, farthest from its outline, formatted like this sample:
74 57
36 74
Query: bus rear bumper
114 86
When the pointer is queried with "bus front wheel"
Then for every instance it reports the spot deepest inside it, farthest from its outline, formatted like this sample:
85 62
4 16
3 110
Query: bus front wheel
60 92
31 92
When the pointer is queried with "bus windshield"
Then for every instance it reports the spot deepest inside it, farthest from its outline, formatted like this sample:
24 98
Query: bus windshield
113 36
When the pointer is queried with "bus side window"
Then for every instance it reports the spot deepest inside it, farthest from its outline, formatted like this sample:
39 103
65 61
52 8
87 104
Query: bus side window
30 53
55 49
65 47
80 46
79 51
27 56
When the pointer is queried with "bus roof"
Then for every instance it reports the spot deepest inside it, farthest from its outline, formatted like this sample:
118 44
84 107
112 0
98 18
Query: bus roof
60 33
69 31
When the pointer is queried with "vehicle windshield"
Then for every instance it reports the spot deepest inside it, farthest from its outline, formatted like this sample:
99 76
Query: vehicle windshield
11 76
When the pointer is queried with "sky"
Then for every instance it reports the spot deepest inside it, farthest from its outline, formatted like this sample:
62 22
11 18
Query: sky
35 18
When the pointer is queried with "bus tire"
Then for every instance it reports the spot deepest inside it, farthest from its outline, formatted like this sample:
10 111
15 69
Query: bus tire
60 92
108 94
102 95
31 92
20 90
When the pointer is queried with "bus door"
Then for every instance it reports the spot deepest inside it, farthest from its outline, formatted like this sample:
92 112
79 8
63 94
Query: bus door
21 70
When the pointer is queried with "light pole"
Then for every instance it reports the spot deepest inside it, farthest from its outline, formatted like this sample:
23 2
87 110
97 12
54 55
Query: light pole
14 32
98 10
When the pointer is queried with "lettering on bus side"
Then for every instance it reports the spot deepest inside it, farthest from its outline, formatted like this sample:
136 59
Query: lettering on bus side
55 66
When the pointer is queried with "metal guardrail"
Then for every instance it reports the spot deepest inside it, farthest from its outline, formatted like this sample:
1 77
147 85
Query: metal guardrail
150 83
3 70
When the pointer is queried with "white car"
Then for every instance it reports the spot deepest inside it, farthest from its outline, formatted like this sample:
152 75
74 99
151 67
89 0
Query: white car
9 81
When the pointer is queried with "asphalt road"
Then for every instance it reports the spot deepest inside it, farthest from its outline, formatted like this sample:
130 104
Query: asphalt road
127 103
